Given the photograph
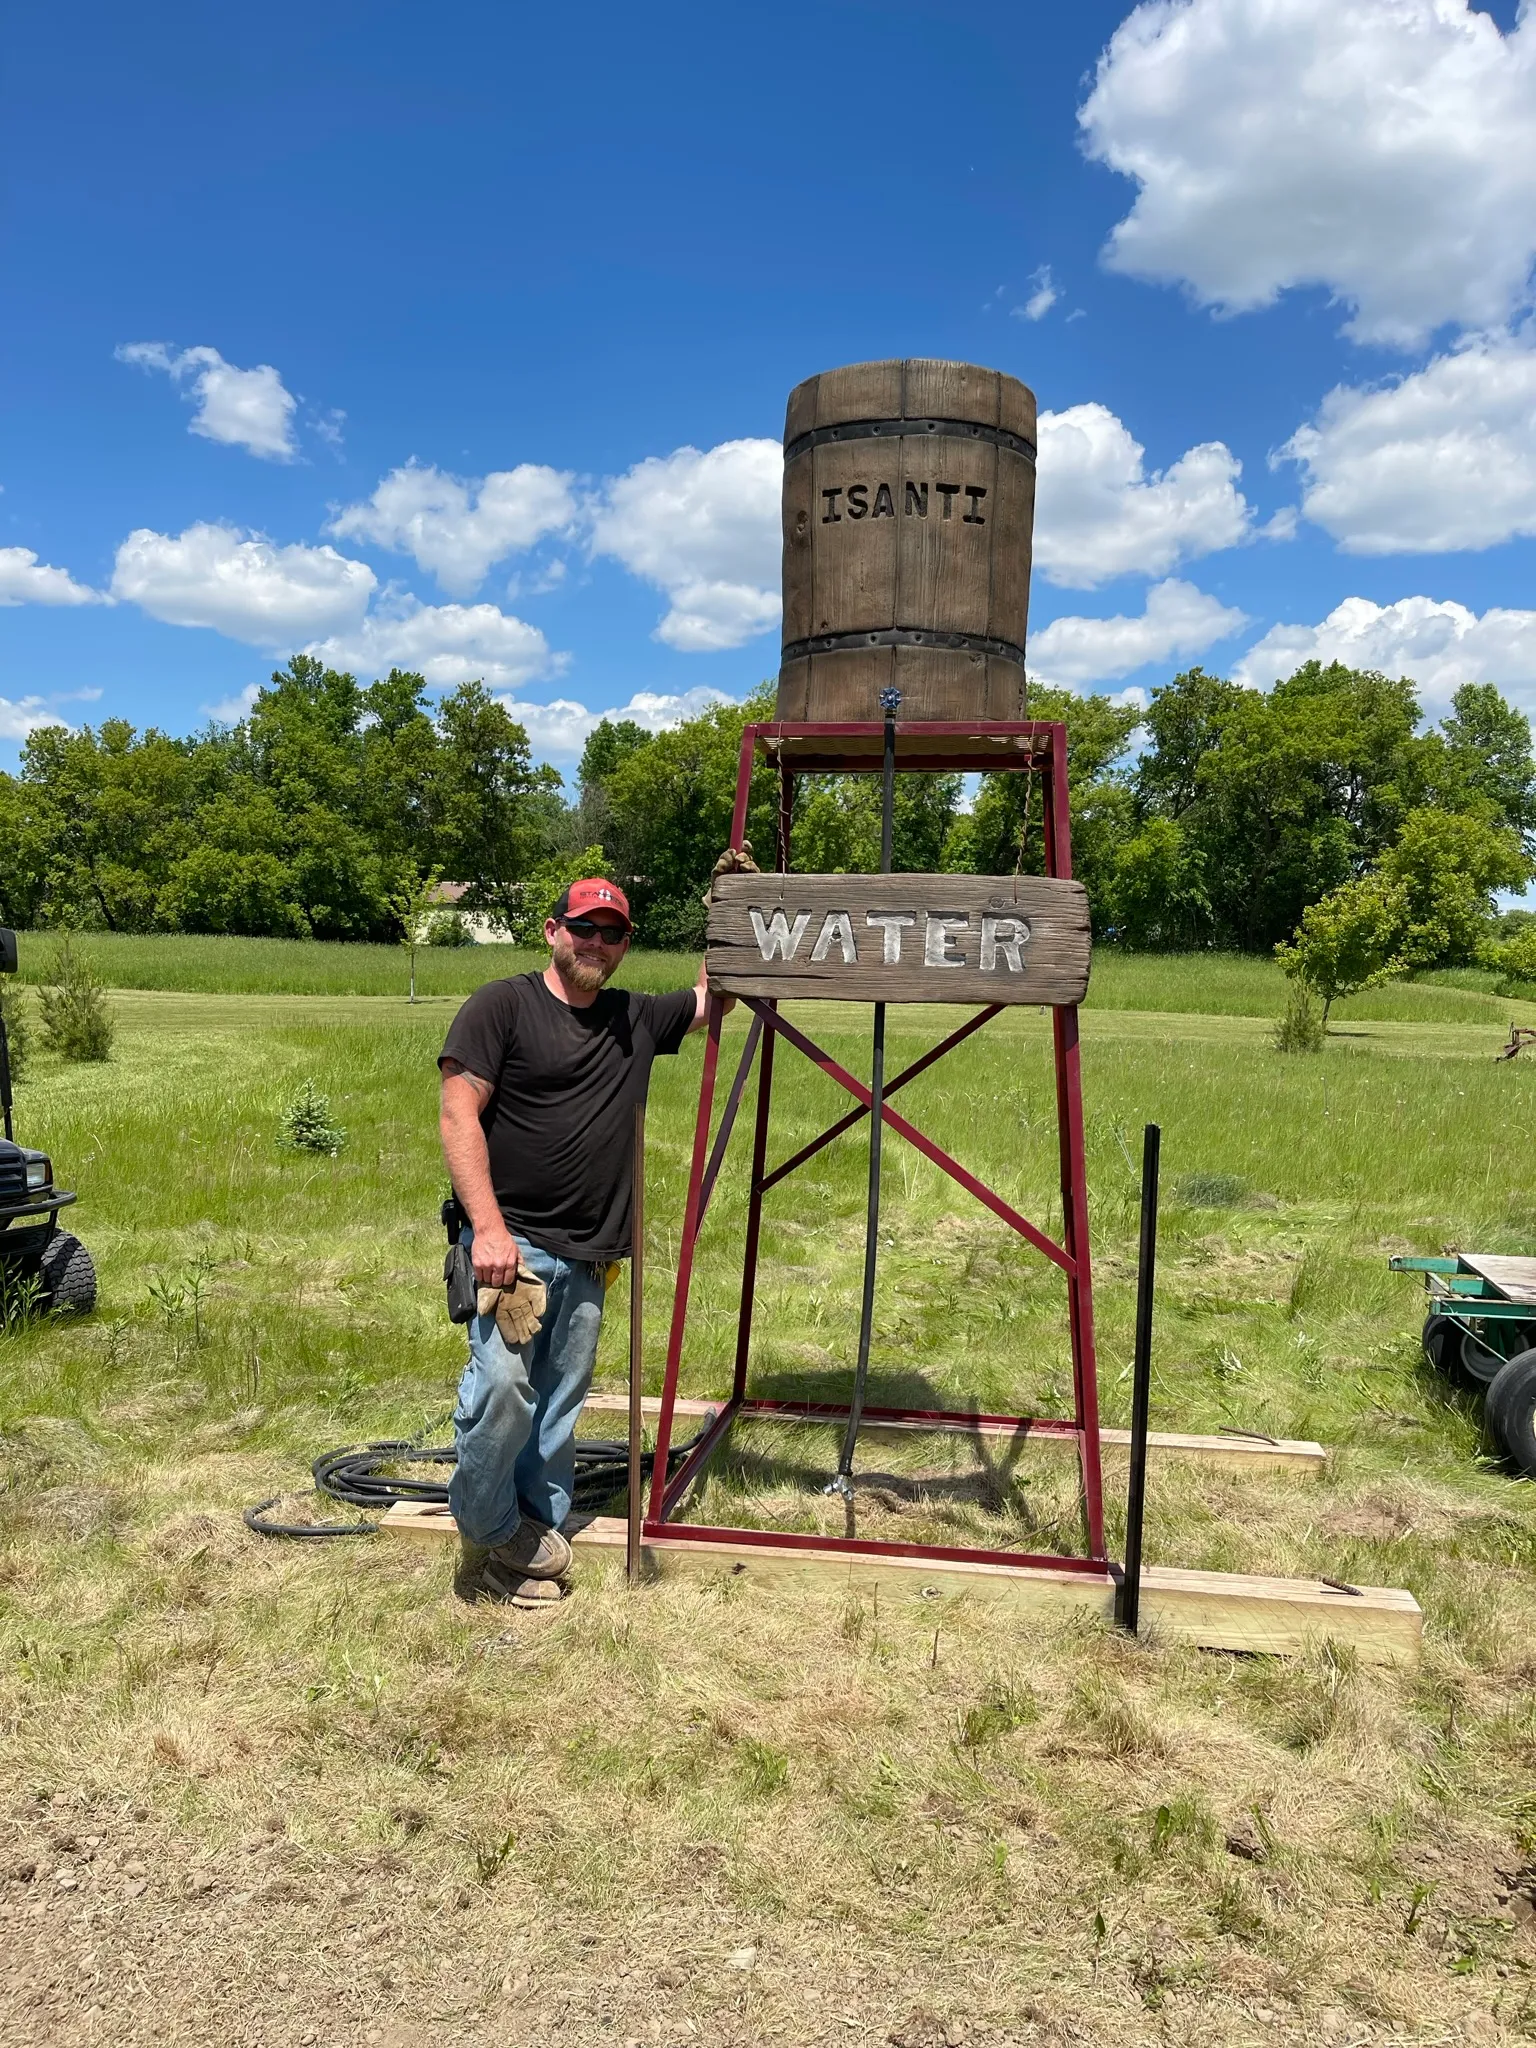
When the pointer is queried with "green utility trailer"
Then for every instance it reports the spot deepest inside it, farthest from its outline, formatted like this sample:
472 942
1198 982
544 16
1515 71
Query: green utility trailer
1482 1319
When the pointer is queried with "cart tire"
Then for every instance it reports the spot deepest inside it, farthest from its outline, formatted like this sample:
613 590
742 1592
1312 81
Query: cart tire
1511 1410
1441 1342
1477 1361
69 1276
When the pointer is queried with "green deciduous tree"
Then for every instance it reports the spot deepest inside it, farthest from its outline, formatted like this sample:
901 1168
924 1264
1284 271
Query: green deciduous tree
1004 829
414 902
1428 902
1230 813
544 887
1157 893
300 821
671 802
1448 864
1352 939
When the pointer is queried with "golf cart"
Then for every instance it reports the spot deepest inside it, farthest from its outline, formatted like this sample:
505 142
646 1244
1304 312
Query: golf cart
32 1246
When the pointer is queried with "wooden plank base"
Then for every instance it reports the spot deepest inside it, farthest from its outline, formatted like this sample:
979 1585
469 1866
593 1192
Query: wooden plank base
1253 1454
1215 1610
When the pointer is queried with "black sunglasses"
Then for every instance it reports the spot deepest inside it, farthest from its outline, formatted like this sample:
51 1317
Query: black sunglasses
589 928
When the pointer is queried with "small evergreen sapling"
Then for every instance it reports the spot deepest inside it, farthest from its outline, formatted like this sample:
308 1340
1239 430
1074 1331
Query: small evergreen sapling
77 1018
1301 1028
307 1125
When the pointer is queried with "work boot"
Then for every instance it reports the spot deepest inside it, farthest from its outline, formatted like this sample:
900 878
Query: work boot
535 1550
502 1584
533 1553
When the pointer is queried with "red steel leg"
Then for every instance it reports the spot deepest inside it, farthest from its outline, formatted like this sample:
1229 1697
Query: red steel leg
757 1188
743 786
685 1255
1074 1172
1074 1202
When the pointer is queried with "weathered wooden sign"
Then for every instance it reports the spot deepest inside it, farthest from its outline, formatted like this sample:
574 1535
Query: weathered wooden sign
900 938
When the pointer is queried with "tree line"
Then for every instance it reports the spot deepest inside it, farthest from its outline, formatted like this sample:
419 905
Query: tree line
1322 813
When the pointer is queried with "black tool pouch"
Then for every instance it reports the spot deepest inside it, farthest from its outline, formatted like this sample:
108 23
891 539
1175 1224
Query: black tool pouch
459 1273
458 1267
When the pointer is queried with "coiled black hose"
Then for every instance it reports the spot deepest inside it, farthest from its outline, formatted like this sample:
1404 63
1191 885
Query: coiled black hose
357 1476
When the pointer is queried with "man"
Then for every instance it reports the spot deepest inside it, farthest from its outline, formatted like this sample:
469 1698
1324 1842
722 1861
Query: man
541 1075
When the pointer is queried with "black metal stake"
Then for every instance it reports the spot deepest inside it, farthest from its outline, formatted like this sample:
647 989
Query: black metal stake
1141 1381
890 702
632 1554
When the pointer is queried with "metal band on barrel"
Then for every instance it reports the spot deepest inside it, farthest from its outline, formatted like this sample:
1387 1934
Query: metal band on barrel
901 636
878 430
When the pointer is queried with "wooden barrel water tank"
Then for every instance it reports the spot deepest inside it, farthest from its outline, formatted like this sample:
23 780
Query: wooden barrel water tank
909 502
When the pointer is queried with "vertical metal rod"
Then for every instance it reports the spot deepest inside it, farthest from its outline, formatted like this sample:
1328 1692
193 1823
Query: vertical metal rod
685 1258
889 700
5 1080
1141 1382
636 1342
760 1131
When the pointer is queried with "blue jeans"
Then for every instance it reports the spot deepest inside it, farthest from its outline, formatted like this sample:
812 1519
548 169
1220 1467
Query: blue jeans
515 1423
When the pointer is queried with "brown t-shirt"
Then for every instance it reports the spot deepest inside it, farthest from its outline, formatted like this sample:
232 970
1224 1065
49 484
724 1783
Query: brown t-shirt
560 1126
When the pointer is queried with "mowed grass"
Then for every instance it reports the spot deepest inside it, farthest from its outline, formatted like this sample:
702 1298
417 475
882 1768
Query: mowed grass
326 1798
1213 984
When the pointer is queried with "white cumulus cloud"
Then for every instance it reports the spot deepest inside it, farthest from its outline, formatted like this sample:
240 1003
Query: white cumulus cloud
1443 459
1178 622
230 710
448 644
242 585
1099 515
1378 148
703 526
457 527
1440 645
1041 299
559 730
248 409
26 580
22 715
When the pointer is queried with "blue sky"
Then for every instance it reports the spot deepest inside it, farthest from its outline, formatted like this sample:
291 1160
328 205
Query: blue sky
459 338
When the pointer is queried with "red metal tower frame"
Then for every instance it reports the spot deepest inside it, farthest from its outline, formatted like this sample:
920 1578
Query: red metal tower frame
1031 748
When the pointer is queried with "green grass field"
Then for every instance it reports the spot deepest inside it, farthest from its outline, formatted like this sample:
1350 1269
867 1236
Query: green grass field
327 1799
1214 984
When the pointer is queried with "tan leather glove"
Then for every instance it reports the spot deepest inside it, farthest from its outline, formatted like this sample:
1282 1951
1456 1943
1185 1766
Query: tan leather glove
731 862
519 1309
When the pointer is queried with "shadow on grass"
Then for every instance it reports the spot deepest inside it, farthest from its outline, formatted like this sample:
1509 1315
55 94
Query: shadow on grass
882 1492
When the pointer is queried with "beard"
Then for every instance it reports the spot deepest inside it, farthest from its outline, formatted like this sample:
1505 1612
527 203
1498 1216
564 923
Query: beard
581 970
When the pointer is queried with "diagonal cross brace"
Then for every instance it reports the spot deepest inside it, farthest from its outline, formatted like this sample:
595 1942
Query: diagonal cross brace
857 1116
723 1135
813 1052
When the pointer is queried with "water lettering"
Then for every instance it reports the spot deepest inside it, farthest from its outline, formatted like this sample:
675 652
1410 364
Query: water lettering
775 939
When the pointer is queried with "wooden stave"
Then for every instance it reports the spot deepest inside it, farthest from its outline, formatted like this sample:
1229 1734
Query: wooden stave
974 679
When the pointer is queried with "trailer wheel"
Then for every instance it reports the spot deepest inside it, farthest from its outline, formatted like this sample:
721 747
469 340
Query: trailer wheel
1441 1341
69 1276
1511 1410
1478 1362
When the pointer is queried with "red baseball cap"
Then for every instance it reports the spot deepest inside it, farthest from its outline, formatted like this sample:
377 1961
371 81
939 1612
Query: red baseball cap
582 898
